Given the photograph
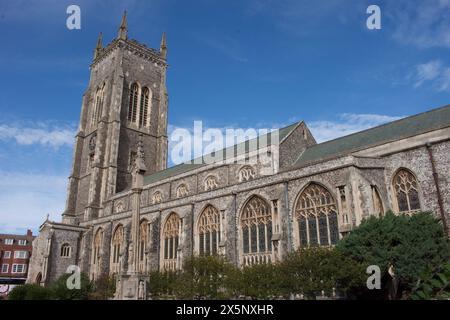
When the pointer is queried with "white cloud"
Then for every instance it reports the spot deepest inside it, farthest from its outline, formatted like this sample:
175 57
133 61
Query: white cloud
433 72
346 124
421 23
27 198
44 134
427 71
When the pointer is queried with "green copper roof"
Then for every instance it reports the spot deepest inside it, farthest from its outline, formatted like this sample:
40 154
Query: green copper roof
403 128
236 150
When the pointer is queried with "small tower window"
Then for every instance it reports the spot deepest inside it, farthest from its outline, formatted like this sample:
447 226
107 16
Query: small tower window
65 250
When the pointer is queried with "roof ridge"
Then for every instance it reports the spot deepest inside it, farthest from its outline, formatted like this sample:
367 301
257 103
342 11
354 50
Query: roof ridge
192 160
383 125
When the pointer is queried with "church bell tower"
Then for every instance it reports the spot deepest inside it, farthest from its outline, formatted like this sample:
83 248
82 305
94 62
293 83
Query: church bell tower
126 99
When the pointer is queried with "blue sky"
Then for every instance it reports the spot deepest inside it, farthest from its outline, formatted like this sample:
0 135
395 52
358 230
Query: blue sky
246 63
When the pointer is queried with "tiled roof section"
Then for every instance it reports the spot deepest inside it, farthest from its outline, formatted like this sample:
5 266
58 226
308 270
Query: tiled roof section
197 163
403 128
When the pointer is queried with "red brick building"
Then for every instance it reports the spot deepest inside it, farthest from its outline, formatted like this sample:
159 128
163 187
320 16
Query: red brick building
15 253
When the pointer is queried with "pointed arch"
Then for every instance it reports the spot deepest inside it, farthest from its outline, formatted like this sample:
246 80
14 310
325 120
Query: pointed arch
406 191
96 257
208 230
98 105
133 102
170 241
157 197
117 244
256 231
182 190
144 235
316 217
144 108
246 173
38 279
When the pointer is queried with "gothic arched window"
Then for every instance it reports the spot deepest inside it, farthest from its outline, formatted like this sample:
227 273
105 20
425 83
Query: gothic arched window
317 217
256 228
143 241
157 197
171 235
209 231
211 183
117 245
144 107
182 191
98 105
133 103
246 173
65 250
406 191
96 252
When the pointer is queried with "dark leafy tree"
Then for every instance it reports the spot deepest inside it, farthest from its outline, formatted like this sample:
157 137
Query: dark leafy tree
408 245
30 292
60 290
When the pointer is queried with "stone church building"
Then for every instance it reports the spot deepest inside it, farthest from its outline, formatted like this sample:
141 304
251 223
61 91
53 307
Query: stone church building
128 214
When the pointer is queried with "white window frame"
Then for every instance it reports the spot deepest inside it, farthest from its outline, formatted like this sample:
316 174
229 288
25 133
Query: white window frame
16 265
3 268
20 254
7 255
9 241
22 242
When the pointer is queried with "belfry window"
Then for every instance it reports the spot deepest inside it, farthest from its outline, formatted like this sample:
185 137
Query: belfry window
406 191
256 229
133 103
143 110
98 106
317 219
209 231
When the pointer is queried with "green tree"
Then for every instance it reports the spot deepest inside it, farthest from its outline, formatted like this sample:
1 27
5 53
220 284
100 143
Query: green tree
60 290
259 281
30 292
103 288
318 270
204 277
162 285
433 285
411 244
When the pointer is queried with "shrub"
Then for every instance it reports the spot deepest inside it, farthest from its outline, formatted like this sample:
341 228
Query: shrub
411 244
316 271
30 292
60 291
103 288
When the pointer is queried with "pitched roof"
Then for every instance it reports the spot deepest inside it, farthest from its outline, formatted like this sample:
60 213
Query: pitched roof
399 129
236 150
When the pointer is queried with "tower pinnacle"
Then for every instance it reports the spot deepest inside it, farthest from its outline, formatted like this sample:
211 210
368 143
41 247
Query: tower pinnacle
163 47
123 29
99 46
